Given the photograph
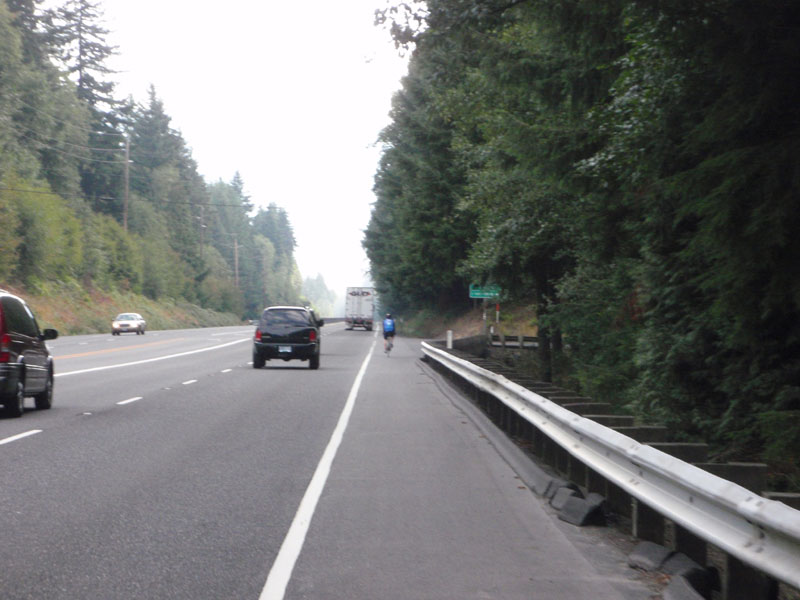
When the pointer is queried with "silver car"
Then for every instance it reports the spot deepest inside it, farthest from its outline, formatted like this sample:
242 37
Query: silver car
128 323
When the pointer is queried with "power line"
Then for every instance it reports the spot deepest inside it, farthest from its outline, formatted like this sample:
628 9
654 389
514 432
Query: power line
17 126
65 153
46 193
137 151
59 119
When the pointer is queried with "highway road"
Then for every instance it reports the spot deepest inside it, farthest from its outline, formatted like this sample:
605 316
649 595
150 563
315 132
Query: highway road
169 468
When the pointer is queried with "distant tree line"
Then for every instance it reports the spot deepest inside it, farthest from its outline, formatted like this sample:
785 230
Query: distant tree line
631 169
69 208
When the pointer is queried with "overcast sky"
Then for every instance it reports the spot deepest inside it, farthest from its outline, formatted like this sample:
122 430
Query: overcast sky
292 95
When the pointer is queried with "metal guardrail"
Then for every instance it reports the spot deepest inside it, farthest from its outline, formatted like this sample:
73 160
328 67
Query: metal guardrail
762 533
513 341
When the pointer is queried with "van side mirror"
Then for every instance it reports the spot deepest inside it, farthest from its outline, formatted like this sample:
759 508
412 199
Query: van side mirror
320 322
49 334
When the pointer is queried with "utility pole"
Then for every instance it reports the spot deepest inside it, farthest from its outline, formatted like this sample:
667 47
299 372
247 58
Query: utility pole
127 184
236 260
202 229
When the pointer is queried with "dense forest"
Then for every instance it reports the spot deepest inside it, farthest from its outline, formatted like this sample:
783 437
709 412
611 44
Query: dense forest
632 170
104 192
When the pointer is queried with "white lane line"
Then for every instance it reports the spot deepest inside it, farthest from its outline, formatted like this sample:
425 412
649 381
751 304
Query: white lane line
19 436
231 332
148 360
128 401
227 370
190 382
278 578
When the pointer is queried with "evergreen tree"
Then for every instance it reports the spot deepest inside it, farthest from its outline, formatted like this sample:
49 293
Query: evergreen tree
163 172
417 235
320 297
31 24
76 31
273 224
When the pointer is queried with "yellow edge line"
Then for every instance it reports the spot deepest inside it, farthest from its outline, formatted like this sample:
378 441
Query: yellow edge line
109 350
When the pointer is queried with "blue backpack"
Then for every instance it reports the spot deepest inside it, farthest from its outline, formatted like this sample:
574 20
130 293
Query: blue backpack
388 325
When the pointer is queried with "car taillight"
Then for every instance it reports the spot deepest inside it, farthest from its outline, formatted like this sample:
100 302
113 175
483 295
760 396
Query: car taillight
312 336
258 335
5 348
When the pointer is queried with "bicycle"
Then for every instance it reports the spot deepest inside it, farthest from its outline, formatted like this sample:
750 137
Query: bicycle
388 333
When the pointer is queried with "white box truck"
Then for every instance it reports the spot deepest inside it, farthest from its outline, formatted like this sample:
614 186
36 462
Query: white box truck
359 306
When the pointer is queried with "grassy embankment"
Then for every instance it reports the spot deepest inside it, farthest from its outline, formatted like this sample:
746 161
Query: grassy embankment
514 320
73 309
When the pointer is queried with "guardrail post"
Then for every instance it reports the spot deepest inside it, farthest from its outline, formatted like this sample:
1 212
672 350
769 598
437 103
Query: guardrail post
449 339
619 500
562 460
689 544
538 445
577 472
647 524
596 483
530 433
742 582
549 451
515 426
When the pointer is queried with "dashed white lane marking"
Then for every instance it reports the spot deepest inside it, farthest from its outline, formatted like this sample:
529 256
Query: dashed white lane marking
278 578
129 400
227 370
149 360
190 382
19 436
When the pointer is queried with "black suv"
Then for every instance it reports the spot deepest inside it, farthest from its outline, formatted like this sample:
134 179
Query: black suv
287 332
26 367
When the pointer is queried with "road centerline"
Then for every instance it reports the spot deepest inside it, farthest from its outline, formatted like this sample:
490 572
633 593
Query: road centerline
128 401
123 349
19 436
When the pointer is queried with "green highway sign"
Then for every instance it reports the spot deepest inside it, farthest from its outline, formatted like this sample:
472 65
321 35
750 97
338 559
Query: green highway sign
484 291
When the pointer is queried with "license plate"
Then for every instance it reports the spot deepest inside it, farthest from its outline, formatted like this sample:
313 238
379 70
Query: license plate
284 348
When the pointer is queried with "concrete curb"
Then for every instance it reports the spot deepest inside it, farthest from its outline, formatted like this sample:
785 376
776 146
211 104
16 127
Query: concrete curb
689 579
679 588
648 556
584 511
562 495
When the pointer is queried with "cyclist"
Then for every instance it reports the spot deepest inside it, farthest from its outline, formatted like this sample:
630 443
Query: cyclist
388 333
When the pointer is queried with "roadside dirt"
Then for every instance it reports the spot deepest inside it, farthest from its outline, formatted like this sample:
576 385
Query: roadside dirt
513 321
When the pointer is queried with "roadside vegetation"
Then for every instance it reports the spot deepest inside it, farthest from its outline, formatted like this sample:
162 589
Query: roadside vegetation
73 309
629 171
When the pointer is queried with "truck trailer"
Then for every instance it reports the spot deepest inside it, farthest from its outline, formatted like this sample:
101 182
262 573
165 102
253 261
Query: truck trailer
359 306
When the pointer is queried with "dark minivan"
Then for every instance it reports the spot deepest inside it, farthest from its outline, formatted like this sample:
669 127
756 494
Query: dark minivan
26 367
286 333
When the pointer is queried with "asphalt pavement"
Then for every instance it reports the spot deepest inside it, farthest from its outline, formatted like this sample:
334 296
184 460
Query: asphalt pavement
169 468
